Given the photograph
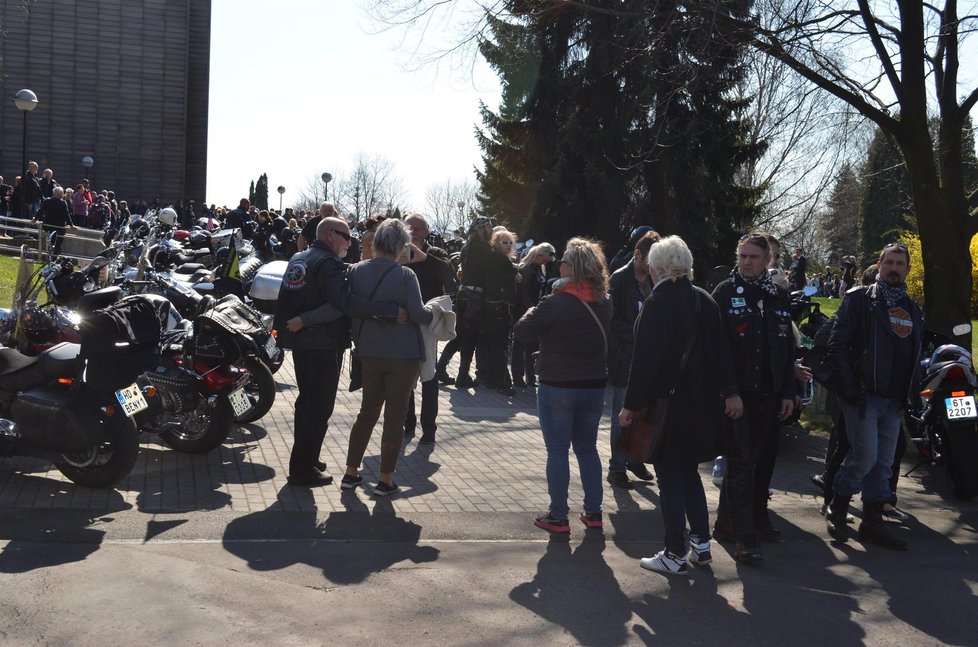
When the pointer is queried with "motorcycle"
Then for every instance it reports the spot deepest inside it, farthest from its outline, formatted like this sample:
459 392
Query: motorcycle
64 405
946 427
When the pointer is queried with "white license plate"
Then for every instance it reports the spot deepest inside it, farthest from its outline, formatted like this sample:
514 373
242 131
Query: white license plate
131 400
958 408
271 347
240 403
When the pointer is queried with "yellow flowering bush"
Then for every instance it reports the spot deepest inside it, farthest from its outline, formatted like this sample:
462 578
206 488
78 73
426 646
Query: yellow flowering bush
915 280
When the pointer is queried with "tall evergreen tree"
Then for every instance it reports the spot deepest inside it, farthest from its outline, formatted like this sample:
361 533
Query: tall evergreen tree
251 192
261 192
886 206
841 222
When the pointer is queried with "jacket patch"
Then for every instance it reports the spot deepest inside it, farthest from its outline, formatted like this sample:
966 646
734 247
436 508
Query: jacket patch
900 322
295 274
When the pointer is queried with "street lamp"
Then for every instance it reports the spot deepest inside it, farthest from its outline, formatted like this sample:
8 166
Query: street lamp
326 178
88 162
25 101
281 192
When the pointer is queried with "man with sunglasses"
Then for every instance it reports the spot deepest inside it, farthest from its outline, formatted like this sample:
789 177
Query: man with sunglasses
873 351
312 317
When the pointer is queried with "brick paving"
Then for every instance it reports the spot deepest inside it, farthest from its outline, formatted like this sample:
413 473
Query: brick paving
489 458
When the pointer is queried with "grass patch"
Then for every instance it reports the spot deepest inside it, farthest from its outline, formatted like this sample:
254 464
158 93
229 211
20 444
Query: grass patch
8 279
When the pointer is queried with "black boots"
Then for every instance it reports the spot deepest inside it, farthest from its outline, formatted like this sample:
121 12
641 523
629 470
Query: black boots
835 517
873 530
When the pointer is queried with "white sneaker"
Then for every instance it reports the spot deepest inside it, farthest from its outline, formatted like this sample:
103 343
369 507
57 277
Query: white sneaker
666 563
699 553
719 468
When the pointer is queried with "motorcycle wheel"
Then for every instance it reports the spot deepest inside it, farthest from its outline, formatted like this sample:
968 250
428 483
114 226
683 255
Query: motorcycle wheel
204 429
962 460
110 461
260 390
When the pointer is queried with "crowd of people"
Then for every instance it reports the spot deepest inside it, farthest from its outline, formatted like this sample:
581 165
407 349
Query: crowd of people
577 329
725 363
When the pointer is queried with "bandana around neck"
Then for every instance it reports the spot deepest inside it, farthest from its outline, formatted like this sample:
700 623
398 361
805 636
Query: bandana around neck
762 282
891 294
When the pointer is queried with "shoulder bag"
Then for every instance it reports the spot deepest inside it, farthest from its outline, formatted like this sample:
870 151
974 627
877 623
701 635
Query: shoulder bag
643 438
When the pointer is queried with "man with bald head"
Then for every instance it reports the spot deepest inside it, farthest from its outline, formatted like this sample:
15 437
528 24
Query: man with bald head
312 318
309 230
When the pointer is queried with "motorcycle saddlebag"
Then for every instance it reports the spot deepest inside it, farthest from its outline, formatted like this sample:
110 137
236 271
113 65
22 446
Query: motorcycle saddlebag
121 341
55 419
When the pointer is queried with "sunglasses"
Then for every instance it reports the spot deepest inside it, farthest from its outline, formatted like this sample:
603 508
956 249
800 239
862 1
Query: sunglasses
342 234
896 246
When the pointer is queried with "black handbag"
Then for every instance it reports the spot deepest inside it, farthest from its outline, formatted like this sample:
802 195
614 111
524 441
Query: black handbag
356 365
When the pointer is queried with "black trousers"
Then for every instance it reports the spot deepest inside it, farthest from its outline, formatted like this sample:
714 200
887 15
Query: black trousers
317 375
751 447
429 408
522 361
496 340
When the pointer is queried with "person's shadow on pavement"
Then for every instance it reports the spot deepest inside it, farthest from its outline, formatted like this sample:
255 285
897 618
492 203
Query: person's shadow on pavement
387 539
578 591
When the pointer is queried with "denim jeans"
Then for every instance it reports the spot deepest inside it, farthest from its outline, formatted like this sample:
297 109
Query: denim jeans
681 497
570 418
872 446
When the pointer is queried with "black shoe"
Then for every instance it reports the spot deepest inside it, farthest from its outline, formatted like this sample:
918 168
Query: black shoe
835 517
641 472
818 480
874 530
320 465
723 532
620 480
465 382
317 480
383 489
764 528
427 438
444 377
349 482
408 435
747 551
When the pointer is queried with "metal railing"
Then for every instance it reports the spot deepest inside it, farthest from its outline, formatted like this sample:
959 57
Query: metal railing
81 243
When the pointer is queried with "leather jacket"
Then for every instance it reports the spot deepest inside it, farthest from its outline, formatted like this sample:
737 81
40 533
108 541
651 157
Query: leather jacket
861 346
626 304
749 327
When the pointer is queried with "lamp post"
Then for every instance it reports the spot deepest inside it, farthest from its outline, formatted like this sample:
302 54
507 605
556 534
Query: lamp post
25 100
88 162
461 213
281 192
326 178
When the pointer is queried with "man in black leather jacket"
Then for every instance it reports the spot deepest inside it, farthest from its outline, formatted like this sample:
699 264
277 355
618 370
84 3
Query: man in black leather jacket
757 316
873 351
312 317
470 302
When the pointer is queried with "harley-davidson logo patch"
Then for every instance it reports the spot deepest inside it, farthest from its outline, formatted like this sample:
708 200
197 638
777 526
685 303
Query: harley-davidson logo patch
901 322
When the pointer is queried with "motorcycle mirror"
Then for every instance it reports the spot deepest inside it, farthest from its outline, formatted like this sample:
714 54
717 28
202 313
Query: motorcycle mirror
529 243
98 263
810 290
961 329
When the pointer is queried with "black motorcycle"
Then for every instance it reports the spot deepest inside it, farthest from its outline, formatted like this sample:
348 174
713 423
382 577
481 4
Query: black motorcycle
69 403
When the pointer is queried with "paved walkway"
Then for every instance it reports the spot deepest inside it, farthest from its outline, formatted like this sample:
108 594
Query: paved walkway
489 458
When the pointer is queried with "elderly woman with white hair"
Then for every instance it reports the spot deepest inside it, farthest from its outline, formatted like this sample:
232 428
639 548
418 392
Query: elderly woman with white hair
391 354
680 355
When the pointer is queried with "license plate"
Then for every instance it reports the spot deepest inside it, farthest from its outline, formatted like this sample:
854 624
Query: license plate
131 400
271 347
958 408
240 403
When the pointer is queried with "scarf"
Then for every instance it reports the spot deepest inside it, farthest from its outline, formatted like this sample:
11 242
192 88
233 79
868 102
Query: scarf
762 282
582 291
891 294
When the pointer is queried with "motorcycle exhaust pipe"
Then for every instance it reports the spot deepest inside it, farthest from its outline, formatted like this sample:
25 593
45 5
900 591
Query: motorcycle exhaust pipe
9 437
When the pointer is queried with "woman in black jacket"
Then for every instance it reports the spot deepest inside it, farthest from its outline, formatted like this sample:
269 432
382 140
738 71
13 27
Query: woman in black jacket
571 326
679 319
530 289
499 293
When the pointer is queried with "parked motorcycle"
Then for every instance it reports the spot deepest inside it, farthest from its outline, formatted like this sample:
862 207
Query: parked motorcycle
66 404
946 429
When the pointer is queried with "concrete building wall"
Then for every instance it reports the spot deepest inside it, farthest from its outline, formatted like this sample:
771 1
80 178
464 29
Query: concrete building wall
125 81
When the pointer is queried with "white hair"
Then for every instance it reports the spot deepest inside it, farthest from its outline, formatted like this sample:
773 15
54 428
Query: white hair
670 258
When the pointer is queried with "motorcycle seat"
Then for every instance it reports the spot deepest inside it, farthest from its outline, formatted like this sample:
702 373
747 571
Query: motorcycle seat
189 268
92 301
19 372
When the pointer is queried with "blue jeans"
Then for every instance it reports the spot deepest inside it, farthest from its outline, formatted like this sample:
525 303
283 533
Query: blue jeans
681 497
872 445
570 418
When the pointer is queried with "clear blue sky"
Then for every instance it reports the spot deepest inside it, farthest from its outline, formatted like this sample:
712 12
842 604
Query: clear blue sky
299 87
